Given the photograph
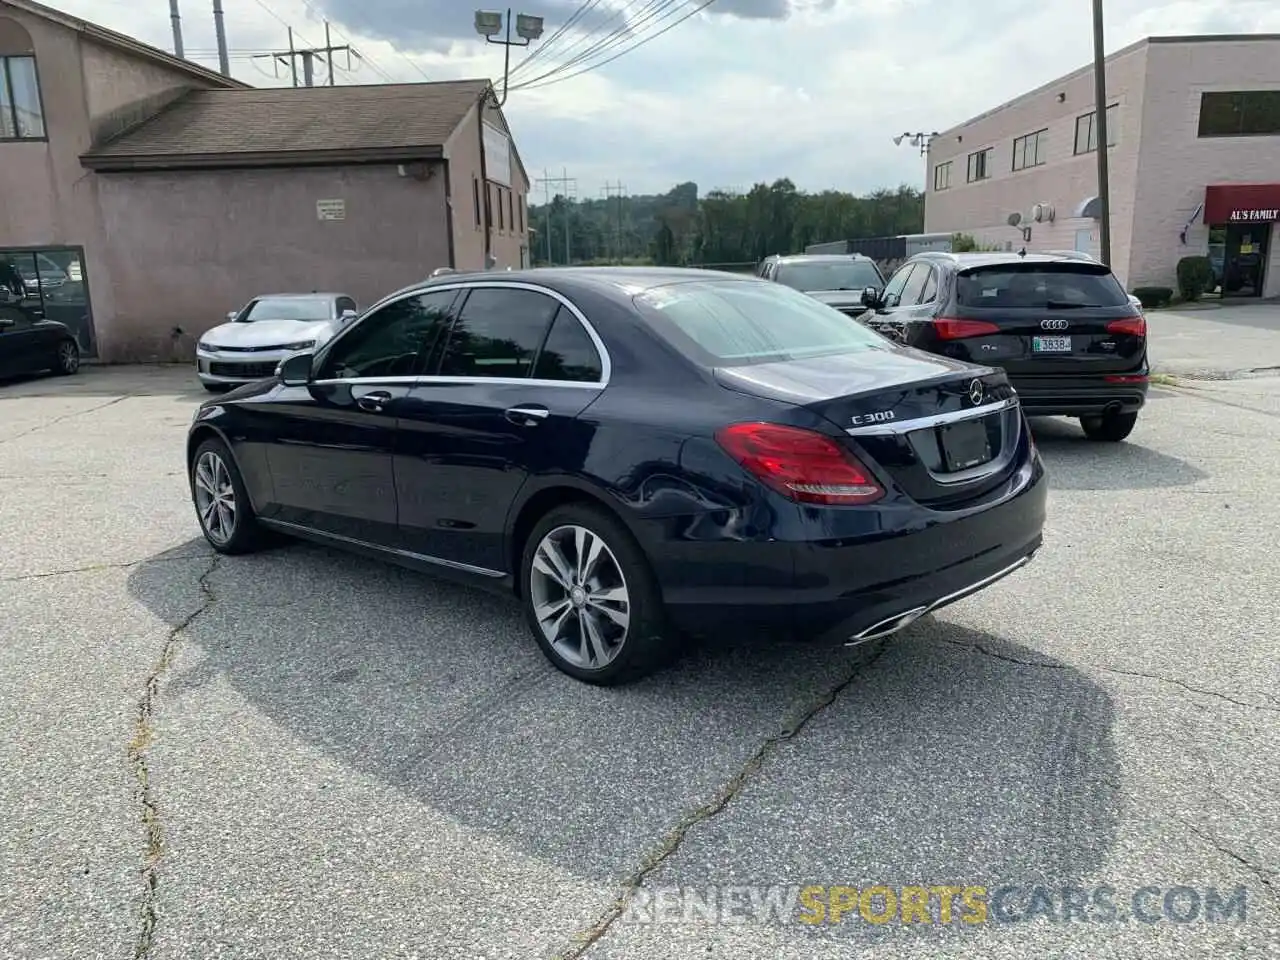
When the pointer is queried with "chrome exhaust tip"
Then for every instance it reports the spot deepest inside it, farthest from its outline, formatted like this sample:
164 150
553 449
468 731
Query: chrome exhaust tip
888 626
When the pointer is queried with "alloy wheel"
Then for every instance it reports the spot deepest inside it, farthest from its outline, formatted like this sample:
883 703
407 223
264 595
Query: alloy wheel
68 357
579 597
215 497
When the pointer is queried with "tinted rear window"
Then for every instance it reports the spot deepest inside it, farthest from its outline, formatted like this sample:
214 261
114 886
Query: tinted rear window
829 275
736 322
1039 285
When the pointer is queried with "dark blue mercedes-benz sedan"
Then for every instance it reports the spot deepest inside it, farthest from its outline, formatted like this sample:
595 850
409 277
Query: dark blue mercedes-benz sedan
636 453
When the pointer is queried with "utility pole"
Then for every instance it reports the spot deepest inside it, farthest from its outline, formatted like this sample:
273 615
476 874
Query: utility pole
308 56
568 187
619 191
1100 127
224 62
176 19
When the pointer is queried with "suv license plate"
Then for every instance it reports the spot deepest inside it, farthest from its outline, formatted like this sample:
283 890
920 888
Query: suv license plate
1050 344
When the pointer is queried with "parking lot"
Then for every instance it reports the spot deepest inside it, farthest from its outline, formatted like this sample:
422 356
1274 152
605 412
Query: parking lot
307 754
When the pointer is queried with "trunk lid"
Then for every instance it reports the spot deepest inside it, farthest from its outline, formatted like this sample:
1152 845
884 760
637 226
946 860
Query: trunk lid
1045 318
943 431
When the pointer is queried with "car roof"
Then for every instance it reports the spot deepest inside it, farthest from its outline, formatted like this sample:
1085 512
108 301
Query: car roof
965 261
302 296
817 257
625 280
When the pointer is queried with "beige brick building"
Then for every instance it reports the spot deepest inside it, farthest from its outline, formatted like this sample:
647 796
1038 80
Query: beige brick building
1194 133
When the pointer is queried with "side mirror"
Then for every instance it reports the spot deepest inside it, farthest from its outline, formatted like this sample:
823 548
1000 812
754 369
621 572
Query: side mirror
347 316
870 297
231 315
295 369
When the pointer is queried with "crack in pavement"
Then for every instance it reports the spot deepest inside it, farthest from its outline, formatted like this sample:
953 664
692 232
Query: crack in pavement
143 734
96 567
1203 691
1263 875
671 842
65 416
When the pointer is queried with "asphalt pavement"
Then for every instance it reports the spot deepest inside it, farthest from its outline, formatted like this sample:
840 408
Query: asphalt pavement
302 754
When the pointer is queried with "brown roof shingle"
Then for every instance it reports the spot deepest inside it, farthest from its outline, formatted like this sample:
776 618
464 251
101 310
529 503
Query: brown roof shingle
295 125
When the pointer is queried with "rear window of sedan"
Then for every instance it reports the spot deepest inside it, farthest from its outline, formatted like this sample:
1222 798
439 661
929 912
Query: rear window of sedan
1011 285
738 322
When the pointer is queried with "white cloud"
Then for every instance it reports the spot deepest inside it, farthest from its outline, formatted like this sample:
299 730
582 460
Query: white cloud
815 91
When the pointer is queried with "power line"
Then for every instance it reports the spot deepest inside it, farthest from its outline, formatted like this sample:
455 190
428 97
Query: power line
628 28
542 82
367 59
308 56
551 41
569 186
619 191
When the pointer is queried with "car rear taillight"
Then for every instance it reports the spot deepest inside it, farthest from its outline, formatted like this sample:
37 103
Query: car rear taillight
800 464
949 329
1127 378
1132 326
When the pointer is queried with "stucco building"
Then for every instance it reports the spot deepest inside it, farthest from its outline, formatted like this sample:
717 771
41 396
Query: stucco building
1194 137
143 196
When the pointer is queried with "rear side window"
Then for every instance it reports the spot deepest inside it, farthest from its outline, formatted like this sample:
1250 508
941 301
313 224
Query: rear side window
1039 285
737 322
568 353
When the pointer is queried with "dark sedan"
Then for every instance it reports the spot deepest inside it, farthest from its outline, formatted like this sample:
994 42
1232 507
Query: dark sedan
29 343
635 453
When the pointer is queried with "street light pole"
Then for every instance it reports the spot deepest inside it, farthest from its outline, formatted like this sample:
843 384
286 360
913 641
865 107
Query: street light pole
528 29
1100 128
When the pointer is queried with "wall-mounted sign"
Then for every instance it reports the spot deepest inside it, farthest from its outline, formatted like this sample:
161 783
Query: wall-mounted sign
1241 203
497 155
331 209
1262 214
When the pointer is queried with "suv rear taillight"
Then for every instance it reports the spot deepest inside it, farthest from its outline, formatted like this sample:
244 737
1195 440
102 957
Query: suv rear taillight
801 465
949 329
1132 326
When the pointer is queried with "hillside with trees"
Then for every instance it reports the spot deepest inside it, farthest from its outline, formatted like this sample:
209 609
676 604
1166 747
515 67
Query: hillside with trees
724 229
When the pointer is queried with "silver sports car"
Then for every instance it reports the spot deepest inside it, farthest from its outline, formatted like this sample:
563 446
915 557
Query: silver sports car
255 338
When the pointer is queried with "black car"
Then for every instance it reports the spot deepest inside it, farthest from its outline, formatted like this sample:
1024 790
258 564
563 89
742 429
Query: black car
30 343
1071 340
635 453
835 279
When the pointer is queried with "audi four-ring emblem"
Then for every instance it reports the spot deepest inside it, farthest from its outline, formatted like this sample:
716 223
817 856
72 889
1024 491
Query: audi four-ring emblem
1053 324
975 392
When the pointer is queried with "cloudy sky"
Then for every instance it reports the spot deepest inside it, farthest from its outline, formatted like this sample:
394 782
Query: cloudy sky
743 91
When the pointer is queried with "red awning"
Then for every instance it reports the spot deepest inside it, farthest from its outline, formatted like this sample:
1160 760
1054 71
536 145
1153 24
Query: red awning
1242 203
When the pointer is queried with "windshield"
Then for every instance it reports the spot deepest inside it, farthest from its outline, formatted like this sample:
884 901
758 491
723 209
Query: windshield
287 308
736 322
829 275
1040 285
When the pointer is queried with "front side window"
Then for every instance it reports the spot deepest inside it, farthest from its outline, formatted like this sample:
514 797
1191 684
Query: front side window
828 275
1039 286
498 333
21 115
1087 130
892 295
286 308
393 341
739 322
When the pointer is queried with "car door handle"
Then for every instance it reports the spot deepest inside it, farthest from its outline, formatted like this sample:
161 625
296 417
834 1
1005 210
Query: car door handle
374 402
527 416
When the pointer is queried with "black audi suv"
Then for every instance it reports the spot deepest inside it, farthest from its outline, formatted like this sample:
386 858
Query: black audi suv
1071 340
636 453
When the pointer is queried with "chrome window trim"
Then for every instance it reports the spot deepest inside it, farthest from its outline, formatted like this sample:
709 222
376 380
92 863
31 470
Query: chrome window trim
606 364
936 420
426 380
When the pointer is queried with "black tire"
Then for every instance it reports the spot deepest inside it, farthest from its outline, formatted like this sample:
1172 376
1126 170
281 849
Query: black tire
66 358
647 642
1109 428
246 535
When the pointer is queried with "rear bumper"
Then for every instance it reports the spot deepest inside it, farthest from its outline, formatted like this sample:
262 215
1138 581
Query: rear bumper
843 590
1079 396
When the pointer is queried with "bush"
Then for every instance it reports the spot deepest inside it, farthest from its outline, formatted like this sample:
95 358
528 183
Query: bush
1153 296
1195 277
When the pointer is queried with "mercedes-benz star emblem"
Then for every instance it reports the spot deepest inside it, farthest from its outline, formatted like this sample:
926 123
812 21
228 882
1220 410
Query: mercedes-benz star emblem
976 392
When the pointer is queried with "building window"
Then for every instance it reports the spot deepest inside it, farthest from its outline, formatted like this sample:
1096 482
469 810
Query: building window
511 216
1087 129
1247 113
21 113
502 219
47 284
520 211
942 176
475 197
1031 150
980 164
